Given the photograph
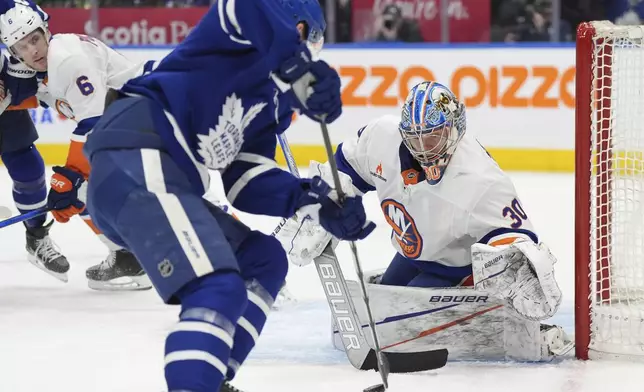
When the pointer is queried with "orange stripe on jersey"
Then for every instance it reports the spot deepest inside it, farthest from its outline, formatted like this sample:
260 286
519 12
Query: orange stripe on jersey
76 160
29 103
504 241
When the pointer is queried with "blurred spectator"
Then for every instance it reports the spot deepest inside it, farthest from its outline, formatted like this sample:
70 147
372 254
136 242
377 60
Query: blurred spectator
525 21
627 12
392 26
340 16
577 11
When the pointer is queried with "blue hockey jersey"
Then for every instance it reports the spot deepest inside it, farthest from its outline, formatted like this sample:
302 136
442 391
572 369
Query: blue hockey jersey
223 105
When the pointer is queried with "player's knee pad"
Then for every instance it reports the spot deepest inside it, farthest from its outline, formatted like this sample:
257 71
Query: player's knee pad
261 257
221 291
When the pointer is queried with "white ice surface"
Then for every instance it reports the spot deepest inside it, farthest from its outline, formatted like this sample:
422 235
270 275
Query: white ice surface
68 338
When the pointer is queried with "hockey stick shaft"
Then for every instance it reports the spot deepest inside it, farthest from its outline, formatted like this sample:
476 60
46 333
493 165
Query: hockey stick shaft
292 167
23 217
288 155
330 275
383 366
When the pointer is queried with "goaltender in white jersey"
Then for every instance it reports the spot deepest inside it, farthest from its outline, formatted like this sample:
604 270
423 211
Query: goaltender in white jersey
469 273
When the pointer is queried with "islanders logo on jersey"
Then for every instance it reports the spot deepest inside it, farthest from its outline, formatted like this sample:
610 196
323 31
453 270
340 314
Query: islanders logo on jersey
64 109
404 228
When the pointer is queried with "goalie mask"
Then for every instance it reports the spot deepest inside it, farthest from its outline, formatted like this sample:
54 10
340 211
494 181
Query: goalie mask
432 123
16 28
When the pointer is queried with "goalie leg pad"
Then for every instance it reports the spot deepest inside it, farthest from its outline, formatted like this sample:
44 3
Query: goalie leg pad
522 274
471 324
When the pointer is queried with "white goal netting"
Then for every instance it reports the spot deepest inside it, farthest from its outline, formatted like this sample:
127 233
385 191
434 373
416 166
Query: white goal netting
616 276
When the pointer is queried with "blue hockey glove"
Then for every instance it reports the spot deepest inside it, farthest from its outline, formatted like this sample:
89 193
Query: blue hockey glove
18 79
315 86
347 221
63 198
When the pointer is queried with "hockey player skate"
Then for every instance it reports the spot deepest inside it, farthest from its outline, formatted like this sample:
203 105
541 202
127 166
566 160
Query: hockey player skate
44 254
120 271
226 387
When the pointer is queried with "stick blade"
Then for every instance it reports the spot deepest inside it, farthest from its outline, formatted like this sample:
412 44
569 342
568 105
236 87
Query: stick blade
408 362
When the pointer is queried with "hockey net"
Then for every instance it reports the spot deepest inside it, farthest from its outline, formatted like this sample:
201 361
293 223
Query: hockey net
609 227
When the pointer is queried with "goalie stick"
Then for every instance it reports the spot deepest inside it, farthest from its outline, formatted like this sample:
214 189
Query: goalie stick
381 360
344 314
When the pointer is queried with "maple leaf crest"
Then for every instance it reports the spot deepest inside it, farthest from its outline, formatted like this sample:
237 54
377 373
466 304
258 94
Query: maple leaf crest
220 146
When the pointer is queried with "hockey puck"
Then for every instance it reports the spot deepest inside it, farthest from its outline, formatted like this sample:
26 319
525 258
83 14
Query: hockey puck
375 388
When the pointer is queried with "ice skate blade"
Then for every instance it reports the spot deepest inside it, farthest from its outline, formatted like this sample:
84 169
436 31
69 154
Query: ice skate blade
62 276
125 283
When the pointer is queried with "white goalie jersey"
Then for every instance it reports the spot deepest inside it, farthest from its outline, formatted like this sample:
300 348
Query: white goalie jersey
474 201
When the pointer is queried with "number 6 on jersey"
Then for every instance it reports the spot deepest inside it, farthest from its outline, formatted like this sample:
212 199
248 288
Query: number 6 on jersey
84 85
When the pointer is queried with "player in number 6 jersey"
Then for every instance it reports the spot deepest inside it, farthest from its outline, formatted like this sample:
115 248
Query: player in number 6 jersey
22 159
74 73
456 221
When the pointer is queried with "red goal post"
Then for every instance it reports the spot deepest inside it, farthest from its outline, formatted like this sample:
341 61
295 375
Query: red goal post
609 192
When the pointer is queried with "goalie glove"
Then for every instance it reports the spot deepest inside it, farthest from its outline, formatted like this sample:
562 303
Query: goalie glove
301 236
521 273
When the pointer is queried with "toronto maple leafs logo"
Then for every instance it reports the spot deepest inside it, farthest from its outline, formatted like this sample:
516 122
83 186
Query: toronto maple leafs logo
221 145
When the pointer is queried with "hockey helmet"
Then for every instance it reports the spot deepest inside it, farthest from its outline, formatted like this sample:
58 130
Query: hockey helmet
19 22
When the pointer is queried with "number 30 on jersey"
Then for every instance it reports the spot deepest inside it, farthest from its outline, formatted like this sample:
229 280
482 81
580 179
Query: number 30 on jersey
516 213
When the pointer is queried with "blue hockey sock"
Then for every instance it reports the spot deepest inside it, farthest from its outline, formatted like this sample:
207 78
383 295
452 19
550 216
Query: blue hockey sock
250 325
264 266
198 348
27 170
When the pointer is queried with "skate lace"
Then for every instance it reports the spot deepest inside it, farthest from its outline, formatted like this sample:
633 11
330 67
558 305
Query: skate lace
47 250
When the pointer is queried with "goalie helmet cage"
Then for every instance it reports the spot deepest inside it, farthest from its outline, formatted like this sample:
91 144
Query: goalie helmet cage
609 191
